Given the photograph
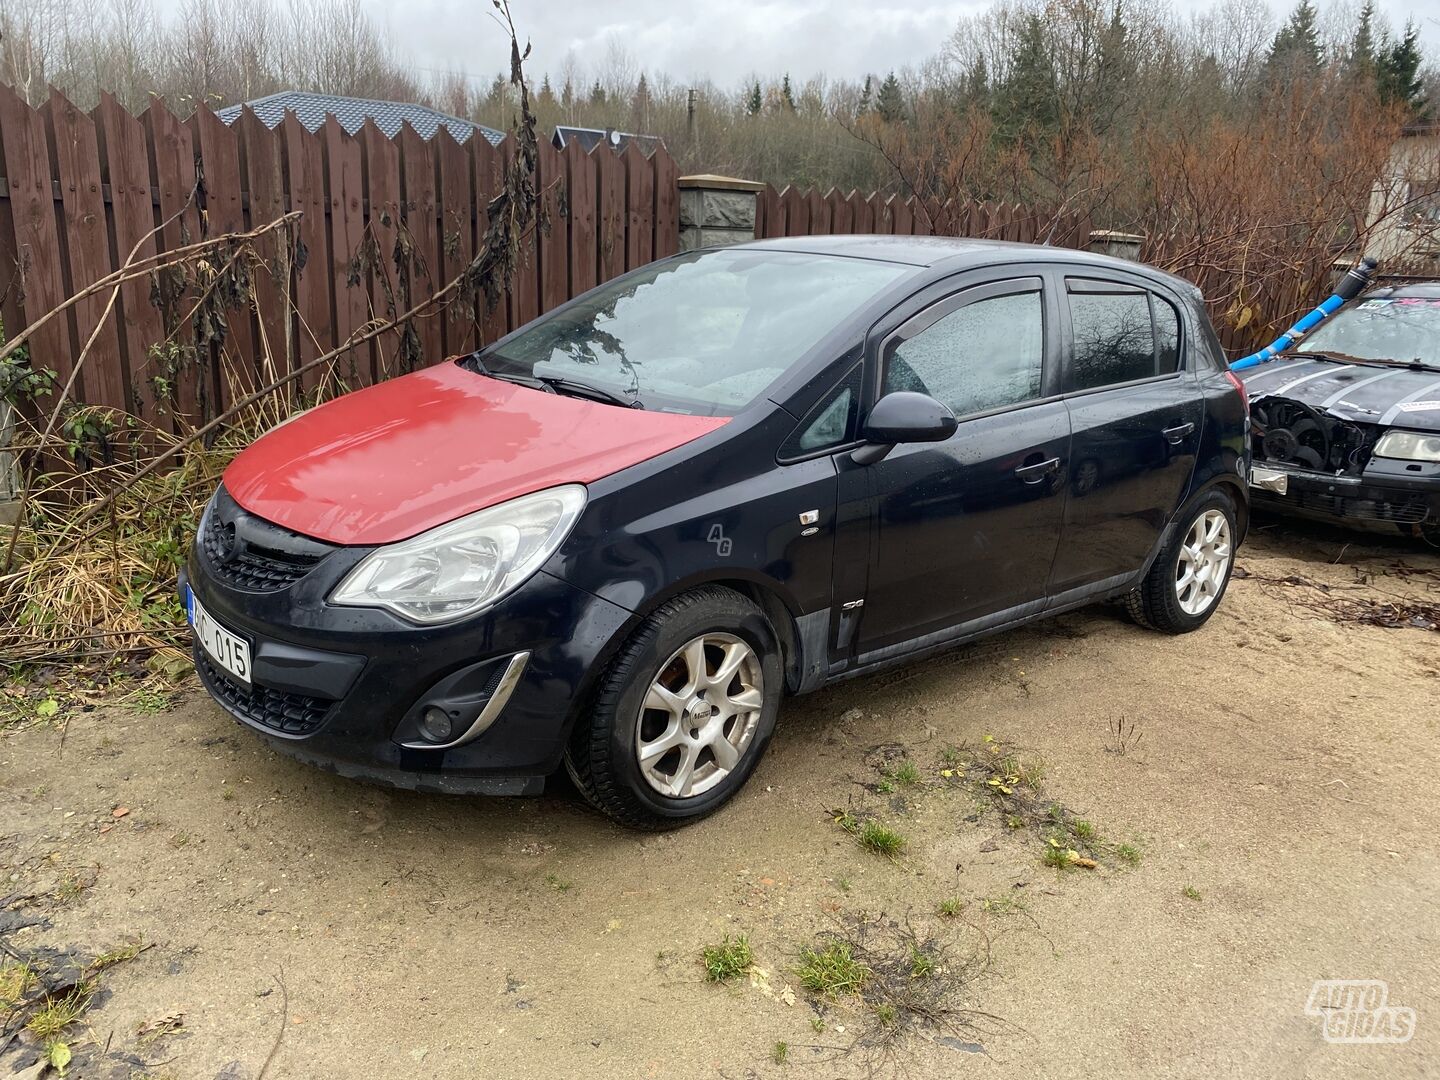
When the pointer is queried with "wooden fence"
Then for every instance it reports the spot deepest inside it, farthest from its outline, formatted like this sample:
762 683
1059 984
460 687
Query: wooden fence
79 191
385 222
793 212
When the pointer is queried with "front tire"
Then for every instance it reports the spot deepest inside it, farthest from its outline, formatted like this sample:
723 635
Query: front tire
682 714
1189 577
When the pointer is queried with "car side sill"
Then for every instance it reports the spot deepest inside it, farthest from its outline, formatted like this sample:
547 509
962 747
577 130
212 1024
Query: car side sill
938 641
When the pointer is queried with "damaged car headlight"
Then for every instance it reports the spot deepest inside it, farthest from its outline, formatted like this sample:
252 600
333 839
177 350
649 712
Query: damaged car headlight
1408 446
457 569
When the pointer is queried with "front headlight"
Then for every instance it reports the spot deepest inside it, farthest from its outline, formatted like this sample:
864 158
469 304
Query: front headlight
1408 446
458 568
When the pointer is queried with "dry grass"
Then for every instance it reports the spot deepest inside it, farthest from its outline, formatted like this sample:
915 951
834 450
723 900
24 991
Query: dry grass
105 589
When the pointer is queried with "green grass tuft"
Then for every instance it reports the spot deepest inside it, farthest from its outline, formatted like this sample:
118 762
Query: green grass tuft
877 838
951 907
728 960
831 970
1190 892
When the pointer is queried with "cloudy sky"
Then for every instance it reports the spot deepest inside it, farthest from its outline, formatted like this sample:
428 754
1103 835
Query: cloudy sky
726 40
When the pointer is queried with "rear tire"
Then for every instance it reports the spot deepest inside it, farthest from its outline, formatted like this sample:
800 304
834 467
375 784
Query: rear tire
1188 579
682 714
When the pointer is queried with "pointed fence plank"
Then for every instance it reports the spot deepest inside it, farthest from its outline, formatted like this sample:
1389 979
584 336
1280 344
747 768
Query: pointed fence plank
422 224
126 168
667 204
490 164
553 230
583 208
457 238
639 207
39 282
172 153
314 320
389 270
610 172
87 249
264 178
345 188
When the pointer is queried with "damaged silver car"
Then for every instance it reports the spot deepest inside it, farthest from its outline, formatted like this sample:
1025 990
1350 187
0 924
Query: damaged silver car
1346 424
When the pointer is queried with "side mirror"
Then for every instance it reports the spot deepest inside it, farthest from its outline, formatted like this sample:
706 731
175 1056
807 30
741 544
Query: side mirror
903 417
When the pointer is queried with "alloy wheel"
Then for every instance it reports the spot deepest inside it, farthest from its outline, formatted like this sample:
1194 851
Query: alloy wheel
699 715
1204 562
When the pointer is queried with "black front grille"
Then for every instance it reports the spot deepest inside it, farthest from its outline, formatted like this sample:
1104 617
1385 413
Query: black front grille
1407 511
289 714
250 553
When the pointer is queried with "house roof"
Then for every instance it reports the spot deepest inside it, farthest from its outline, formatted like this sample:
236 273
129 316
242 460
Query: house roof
589 138
311 109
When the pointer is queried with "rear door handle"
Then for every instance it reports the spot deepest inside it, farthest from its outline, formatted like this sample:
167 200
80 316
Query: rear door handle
1033 474
1176 435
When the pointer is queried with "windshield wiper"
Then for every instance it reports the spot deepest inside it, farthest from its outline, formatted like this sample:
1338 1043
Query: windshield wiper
1365 361
561 384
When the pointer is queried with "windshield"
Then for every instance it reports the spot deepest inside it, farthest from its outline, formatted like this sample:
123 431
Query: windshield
1402 328
703 334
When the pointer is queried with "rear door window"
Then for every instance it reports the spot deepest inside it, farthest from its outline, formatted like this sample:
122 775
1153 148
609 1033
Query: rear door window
1120 334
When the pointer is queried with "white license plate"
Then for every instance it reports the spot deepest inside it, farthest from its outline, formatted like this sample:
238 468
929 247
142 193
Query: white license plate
229 651
1276 480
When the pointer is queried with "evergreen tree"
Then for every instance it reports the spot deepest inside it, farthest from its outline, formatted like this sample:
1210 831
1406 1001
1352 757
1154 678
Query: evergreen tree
1397 72
976 86
787 95
755 100
890 101
597 94
1361 60
1029 97
1295 53
865 96
640 104
547 94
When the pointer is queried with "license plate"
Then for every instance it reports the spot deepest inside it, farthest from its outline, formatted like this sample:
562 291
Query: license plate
229 651
1276 480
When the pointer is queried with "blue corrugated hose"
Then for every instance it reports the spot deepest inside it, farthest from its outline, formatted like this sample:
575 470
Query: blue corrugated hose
1350 287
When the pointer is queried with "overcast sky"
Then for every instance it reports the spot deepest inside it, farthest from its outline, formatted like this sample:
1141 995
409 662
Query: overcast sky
726 40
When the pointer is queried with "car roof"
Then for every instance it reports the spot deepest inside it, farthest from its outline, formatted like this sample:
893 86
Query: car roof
1429 290
948 254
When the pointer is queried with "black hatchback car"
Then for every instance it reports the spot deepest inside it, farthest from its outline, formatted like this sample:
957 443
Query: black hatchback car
618 537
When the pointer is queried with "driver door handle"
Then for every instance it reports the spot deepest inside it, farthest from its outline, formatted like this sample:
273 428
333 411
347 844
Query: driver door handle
1176 435
1033 474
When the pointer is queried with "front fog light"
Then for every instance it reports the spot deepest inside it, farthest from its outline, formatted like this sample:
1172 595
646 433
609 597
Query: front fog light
435 724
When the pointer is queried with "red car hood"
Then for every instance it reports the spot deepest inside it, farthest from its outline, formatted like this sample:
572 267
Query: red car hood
392 460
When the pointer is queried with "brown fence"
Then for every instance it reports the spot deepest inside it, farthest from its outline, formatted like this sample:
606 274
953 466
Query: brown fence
386 223
793 212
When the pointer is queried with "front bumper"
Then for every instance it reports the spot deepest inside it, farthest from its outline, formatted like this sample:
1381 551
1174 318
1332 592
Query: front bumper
1386 497
340 687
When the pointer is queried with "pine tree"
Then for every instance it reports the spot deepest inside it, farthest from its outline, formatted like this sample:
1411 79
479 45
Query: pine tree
1029 97
1295 52
890 101
1361 60
865 96
754 101
597 94
547 94
1397 72
640 105
787 95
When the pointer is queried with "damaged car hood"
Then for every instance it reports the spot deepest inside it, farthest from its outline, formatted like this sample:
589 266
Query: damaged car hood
1363 393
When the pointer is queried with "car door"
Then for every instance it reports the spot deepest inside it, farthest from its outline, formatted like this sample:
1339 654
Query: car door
966 528
1135 418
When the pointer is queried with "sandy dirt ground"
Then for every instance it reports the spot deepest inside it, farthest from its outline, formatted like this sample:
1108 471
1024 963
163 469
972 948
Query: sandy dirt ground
305 926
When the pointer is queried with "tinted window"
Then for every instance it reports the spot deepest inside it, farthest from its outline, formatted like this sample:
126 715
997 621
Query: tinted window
829 423
1114 341
705 333
985 355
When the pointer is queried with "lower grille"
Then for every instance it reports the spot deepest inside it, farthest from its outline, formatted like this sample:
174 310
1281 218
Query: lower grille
1410 511
289 714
